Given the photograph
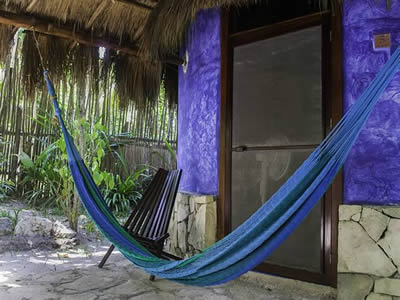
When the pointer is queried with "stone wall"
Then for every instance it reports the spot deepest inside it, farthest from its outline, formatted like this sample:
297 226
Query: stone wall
193 225
369 253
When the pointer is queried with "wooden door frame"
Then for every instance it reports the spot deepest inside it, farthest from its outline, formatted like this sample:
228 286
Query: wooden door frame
335 98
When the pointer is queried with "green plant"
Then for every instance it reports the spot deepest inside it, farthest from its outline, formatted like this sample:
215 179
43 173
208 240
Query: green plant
7 188
4 213
120 194
41 180
171 152
90 227
13 218
48 183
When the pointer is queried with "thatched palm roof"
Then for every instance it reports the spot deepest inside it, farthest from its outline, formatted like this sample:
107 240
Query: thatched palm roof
144 35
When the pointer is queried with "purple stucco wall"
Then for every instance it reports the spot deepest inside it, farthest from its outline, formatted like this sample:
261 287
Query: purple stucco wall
372 172
198 108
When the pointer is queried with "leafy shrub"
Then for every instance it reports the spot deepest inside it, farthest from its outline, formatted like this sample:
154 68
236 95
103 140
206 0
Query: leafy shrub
121 194
47 182
7 188
41 181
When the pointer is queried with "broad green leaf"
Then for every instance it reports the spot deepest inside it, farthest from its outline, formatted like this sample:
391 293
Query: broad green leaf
97 178
26 160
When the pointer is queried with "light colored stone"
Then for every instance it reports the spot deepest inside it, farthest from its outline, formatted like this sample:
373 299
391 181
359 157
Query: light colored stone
391 241
295 288
193 224
192 205
26 213
125 289
182 204
182 237
191 218
83 221
375 296
358 253
172 241
153 295
374 222
204 199
26 293
33 225
354 286
392 211
6 226
347 211
84 296
181 197
356 217
62 231
387 286
202 233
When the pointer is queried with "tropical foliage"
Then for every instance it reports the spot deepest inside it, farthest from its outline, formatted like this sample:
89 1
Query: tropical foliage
47 181
33 157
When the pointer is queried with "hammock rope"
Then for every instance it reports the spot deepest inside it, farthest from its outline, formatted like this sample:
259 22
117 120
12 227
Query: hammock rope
255 239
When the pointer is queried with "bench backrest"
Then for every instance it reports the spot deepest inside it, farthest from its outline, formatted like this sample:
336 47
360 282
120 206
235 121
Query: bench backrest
151 216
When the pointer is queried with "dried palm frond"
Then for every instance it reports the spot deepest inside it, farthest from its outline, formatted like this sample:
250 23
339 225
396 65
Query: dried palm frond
168 22
83 63
160 27
32 77
137 80
170 80
56 57
52 55
107 64
106 18
7 38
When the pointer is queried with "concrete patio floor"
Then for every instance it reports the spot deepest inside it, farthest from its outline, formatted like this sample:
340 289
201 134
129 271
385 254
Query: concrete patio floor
73 274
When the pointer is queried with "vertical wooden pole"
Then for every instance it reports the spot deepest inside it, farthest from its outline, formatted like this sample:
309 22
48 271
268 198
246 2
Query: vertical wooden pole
14 163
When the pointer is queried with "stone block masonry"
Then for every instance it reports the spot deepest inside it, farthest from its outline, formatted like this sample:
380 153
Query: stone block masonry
369 252
193 225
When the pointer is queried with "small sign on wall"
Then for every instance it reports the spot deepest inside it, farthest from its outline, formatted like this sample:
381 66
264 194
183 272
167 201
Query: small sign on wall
382 41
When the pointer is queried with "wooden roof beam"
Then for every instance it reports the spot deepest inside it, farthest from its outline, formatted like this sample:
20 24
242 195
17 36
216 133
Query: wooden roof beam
45 27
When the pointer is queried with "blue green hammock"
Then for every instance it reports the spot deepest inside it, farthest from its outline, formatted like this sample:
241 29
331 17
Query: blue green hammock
253 241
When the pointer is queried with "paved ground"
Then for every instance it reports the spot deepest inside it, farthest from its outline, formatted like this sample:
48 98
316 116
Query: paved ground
74 275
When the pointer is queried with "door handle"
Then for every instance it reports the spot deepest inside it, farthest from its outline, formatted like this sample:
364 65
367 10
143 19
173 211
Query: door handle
240 148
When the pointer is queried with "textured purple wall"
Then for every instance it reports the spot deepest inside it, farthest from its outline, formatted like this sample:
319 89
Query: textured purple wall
372 172
198 109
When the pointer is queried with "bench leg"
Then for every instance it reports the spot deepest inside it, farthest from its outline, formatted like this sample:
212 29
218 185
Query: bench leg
159 246
103 261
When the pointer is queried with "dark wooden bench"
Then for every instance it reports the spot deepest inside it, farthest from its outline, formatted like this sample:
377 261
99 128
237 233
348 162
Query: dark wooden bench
148 222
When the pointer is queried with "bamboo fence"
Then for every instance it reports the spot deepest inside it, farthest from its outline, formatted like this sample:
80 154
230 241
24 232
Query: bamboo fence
22 127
